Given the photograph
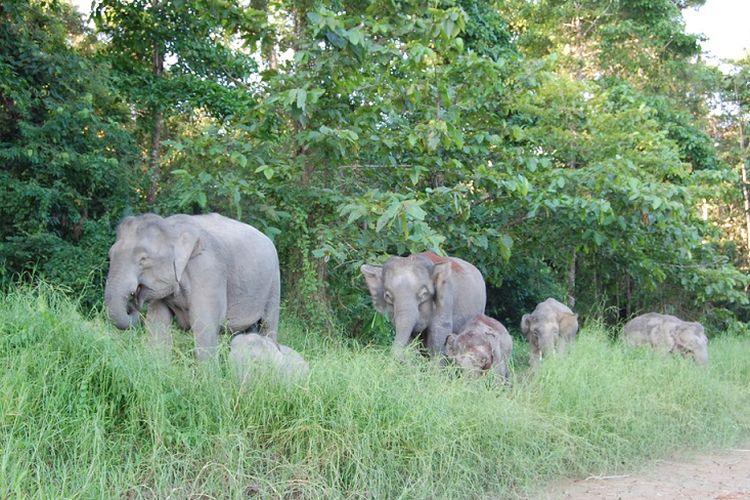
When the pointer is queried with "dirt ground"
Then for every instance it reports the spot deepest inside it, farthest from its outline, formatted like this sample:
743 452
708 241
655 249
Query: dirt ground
723 475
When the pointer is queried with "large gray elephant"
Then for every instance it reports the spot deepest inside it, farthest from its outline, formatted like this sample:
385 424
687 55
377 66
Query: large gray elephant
426 293
549 328
668 333
205 271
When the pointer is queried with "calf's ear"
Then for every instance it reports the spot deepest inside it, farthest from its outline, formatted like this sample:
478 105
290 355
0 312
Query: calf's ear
450 343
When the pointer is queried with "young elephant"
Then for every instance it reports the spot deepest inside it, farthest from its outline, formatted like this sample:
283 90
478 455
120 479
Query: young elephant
426 293
549 328
483 344
249 351
668 333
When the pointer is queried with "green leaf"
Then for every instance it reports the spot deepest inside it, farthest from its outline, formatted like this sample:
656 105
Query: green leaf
267 171
414 210
314 18
505 244
388 215
355 36
202 200
301 99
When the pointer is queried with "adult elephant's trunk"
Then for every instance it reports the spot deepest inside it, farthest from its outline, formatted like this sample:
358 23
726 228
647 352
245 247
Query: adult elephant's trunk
404 321
119 299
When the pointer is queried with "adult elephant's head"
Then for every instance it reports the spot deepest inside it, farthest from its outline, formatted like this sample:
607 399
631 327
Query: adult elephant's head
146 263
408 290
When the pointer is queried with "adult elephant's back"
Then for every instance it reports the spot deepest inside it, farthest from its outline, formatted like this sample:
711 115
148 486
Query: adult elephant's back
467 286
252 269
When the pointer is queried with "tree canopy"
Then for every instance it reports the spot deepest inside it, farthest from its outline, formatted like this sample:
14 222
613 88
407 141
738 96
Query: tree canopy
568 149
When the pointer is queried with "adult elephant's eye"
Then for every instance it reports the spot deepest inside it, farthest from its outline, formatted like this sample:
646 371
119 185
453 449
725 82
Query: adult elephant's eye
424 294
388 298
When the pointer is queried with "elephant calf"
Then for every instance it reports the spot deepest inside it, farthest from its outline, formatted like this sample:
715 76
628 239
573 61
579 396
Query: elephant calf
483 344
668 333
549 328
249 351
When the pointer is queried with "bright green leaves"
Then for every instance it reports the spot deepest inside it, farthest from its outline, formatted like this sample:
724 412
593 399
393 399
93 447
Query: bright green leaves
266 170
445 24
327 25
66 149
297 100
398 214
505 244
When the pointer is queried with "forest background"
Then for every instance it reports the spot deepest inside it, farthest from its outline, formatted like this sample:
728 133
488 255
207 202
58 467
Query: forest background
577 149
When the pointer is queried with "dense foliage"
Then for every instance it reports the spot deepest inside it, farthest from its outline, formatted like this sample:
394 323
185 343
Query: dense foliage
563 147
65 145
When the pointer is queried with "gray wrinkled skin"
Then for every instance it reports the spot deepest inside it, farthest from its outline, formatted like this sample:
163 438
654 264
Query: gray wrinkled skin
250 351
667 333
204 271
551 327
428 294
484 344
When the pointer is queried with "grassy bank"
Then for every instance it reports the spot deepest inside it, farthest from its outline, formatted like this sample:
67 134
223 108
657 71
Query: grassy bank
86 411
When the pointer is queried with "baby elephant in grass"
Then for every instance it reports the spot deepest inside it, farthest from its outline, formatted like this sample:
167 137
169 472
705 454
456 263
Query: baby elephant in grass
250 351
484 344
549 328
667 333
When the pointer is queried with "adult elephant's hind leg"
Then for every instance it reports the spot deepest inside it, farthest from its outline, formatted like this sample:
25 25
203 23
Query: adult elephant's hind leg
271 313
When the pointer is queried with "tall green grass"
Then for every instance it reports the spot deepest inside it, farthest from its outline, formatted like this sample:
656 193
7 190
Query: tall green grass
86 411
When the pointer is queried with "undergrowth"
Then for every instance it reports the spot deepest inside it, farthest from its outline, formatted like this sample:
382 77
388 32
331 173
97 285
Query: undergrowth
87 411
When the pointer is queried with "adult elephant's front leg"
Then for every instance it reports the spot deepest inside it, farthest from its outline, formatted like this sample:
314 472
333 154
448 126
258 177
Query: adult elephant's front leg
158 321
206 317
436 337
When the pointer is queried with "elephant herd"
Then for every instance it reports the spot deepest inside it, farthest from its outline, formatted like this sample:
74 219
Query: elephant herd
209 272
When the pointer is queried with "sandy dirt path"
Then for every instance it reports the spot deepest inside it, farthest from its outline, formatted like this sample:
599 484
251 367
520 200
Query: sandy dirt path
723 475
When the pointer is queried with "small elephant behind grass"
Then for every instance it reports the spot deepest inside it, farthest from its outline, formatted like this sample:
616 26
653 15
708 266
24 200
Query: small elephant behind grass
667 333
551 327
250 353
484 344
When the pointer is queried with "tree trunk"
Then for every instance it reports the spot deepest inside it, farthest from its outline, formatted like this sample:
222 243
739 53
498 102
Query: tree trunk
746 198
743 168
572 280
267 43
628 296
153 157
154 153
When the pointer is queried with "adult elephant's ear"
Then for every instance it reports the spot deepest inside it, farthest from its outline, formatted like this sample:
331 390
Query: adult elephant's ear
526 324
441 274
187 246
374 279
